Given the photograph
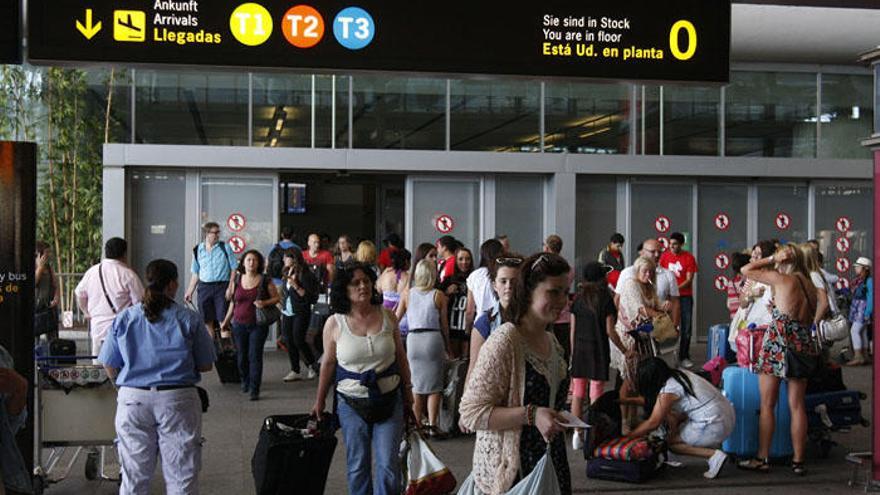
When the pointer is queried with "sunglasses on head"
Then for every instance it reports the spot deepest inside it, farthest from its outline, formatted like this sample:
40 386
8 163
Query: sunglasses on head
541 259
509 261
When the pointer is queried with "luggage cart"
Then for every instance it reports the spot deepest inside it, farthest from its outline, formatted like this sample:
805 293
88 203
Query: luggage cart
74 407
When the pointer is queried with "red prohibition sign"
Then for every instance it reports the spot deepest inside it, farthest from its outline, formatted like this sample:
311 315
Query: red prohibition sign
236 222
841 284
721 283
444 223
722 221
662 224
664 243
843 224
842 244
783 221
237 244
722 261
842 265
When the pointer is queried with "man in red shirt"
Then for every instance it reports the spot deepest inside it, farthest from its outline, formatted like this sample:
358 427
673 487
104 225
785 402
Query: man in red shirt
320 261
683 265
446 247
392 242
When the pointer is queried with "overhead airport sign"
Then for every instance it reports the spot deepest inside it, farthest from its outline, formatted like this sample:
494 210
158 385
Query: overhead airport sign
674 40
10 32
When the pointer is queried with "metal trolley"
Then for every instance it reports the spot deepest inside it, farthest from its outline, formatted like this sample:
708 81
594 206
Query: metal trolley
74 407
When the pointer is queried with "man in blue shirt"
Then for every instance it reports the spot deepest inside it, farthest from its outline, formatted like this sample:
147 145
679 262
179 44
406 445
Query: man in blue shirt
213 270
155 352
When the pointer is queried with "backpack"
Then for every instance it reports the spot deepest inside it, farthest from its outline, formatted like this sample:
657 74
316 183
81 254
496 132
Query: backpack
275 262
319 271
219 244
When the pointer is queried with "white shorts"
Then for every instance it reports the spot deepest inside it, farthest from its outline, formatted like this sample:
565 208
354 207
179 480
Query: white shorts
708 435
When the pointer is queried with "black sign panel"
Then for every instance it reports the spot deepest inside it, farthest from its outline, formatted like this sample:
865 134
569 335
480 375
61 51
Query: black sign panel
10 31
673 40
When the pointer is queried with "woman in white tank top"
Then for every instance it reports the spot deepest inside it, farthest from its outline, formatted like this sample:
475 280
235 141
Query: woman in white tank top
362 347
427 343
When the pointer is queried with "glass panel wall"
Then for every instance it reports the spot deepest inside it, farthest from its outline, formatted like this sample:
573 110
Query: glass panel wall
207 108
690 120
282 110
595 218
771 114
399 113
846 116
453 205
519 211
658 210
587 118
501 115
648 120
253 202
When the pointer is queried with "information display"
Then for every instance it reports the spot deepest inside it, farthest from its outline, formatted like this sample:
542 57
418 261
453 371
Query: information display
10 32
674 40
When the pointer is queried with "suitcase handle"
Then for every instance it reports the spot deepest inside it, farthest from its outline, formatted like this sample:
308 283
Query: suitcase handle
48 358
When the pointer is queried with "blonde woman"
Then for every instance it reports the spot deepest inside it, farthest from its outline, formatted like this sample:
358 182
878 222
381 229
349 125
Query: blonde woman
366 255
427 343
824 304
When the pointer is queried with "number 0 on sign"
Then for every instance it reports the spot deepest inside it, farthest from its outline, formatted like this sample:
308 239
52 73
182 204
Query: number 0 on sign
444 223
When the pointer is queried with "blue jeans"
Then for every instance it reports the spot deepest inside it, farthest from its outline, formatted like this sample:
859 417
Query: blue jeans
249 341
363 441
687 315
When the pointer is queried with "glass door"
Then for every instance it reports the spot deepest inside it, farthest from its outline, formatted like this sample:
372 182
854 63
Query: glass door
442 206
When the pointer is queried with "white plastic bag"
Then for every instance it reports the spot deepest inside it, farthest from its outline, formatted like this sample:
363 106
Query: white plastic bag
541 481
426 473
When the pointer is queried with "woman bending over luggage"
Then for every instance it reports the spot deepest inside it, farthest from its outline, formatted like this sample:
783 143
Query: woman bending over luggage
362 347
155 353
509 398
699 418
427 343
252 291
787 351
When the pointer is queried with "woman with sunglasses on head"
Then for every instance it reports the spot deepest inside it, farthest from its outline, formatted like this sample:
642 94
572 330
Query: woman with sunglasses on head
363 351
519 384
480 294
788 350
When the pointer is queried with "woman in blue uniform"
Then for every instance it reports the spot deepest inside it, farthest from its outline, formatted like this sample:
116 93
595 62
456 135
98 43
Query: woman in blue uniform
155 352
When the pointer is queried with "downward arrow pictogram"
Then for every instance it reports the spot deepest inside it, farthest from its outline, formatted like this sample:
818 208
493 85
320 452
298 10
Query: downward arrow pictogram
88 30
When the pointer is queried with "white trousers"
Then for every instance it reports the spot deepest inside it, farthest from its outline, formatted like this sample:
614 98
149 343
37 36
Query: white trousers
154 423
859 334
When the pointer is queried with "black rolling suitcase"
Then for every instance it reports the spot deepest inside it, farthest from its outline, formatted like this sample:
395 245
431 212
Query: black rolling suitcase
227 363
291 457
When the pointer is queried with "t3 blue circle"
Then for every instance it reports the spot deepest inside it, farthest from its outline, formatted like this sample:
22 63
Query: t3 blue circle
354 28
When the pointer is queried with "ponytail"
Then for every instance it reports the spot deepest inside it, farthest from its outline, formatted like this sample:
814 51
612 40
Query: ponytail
160 273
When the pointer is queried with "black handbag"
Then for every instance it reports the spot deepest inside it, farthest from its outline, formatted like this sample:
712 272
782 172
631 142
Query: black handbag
801 364
269 314
373 410
46 322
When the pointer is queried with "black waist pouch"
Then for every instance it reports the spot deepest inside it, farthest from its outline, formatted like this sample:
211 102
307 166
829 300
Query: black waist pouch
373 410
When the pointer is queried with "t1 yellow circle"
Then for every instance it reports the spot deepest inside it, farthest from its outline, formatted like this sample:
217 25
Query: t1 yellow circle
251 24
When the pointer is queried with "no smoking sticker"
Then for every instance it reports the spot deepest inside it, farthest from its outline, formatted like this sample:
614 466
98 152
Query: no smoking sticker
842 284
721 283
722 221
236 222
842 244
722 261
783 221
237 244
843 224
662 224
444 223
664 243
842 264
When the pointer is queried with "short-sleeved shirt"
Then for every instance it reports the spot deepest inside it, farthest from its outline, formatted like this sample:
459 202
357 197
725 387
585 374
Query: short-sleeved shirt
488 321
384 259
167 352
215 265
667 286
323 258
819 282
446 268
708 406
480 288
680 265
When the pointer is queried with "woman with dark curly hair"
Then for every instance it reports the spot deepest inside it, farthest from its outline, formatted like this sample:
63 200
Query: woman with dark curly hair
363 349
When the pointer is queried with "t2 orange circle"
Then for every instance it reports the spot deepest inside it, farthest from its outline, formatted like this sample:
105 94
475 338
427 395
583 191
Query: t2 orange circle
303 26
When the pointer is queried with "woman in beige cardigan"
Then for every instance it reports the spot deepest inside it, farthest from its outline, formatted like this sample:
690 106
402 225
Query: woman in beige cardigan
507 396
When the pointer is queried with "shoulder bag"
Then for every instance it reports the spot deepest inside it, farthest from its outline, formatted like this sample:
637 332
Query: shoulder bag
835 327
267 315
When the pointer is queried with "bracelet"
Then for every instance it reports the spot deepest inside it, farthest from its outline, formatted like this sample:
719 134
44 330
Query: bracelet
530 414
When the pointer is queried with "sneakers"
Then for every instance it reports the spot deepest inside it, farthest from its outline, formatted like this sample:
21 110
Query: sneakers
577 442
310 374
292 376
716 462
686 363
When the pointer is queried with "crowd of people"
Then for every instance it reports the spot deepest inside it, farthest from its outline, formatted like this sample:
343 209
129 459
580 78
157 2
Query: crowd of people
387 321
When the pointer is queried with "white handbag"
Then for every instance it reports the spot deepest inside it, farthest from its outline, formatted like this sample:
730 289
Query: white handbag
426 474
834 328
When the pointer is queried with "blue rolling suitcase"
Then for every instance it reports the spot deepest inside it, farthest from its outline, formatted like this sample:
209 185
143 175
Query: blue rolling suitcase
718 345
741 388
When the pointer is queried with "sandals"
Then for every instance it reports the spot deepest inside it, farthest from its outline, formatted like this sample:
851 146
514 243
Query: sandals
755 464
798 468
